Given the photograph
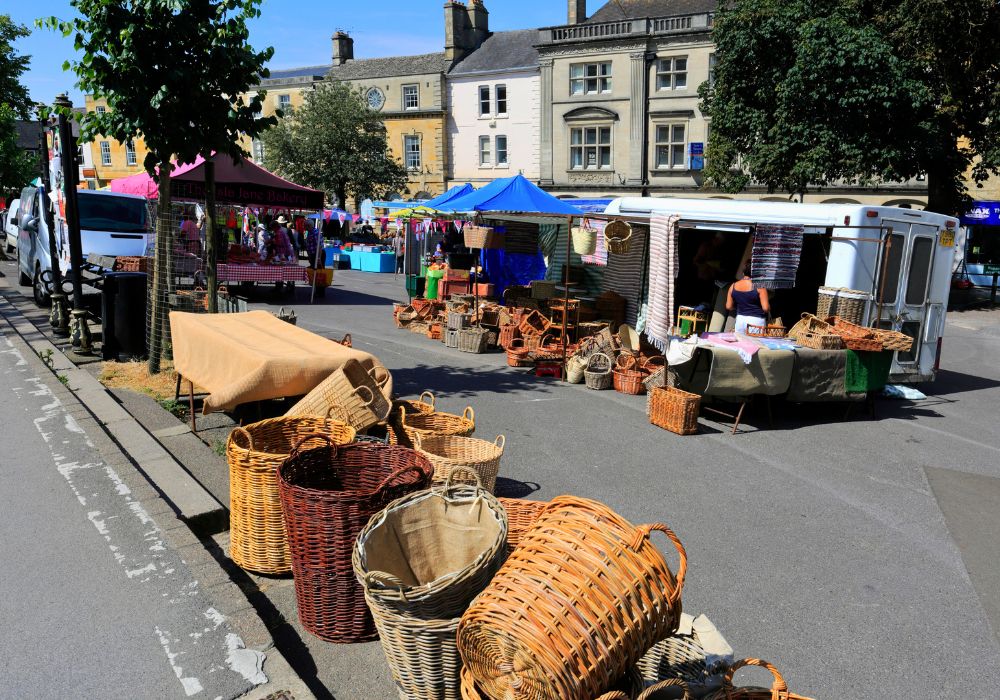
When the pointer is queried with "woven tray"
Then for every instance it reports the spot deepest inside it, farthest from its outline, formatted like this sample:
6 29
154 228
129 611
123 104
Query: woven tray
819 341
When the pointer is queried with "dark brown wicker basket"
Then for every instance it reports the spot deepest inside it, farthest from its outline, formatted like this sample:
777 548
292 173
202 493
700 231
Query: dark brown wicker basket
328 495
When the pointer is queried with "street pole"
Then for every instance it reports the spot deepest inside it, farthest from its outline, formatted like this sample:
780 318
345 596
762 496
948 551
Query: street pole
80 331
58 315
211 253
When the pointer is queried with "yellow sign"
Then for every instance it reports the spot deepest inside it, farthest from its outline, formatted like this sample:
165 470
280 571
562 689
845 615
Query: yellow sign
947 239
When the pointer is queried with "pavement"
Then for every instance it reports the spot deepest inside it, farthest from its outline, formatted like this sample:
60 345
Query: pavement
858 554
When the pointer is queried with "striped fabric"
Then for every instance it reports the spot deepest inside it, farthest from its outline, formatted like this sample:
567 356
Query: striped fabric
600 256
261 273
776 254
625 274
663 268
552 241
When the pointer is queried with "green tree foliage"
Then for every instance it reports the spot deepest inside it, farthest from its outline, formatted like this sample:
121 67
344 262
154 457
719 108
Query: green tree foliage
334 143
12 66
16 167
809 92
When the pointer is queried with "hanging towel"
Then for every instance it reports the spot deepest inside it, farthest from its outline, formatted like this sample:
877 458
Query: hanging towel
745 347
600 256
776 254
663 267
624 274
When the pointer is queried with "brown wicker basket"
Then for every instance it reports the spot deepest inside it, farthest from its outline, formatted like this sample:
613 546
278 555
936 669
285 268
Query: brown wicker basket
521 515
768 331
672 689
479 237
353 388
431 424
777 691
597 374
819 341
425 404
328 495
855 337
627 376
894 340
618 237
674 410
627 687
518 354
681 657
508 333
256 525
534 323
574 607
477 461
428 554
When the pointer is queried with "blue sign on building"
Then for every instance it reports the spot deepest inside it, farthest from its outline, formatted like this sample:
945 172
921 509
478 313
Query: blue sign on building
982 214
696 155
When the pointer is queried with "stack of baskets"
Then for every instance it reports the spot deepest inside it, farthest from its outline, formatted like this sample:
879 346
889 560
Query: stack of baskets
813 332
328 495
855 337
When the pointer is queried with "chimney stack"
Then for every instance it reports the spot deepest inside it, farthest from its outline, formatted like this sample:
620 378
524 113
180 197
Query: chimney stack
479 21
577 11
343 48
457 31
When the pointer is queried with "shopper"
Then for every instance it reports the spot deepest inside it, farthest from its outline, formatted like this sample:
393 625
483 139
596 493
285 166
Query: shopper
399 248
751 304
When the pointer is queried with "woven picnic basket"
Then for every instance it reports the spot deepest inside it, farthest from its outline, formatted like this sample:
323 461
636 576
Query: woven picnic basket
847 303
673 409
328 495
627 687
574 607
474 340
428 554
479 236
518 354
476 461
618 237
521 515
597 374
584 238
424 404
856 337
357 391
777 691
409 425
256 524
627 376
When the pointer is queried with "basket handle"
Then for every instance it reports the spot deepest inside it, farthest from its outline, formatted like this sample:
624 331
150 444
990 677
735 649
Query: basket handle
779 689
371 394
418 441
643 532
384 580
596 355
660 361
516 340
652 690
500 442
374 370
314 436
340 411
625 361
429 395
240 430
448 485
469 415
391 477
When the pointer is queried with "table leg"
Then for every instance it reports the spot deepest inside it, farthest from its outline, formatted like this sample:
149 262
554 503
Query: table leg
739 417
194 426
770 415
177 389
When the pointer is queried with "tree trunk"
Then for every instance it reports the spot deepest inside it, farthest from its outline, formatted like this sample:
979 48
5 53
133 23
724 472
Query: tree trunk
211 256
946 192
340 193
161 260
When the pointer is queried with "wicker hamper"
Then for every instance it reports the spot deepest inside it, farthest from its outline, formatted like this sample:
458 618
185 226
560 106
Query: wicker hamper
359 392
574 607
475 460
475 340
328 495
847 303
674 410
256 524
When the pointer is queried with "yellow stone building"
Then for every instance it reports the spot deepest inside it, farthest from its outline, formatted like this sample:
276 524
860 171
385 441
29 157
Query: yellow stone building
110 159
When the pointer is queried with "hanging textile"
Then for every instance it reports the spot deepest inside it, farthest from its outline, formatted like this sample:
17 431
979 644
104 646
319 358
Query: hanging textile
776 254
506 269
663 267
600 256
521 237
553 245
624 274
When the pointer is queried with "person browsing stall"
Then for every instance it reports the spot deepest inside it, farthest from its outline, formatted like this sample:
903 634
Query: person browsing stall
751 304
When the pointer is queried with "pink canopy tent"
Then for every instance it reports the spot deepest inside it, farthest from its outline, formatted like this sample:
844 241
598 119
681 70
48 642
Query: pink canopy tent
242 183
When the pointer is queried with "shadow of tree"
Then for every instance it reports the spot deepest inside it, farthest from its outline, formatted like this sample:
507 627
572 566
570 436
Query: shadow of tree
464 381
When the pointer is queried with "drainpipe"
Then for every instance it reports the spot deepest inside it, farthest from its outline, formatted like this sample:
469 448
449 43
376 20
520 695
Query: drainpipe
650 59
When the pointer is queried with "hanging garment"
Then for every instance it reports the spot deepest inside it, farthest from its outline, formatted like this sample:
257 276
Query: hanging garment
624 274
776 254
663 267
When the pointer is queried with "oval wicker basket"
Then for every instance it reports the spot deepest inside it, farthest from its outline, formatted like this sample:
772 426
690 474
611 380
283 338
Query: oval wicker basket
627 376
597 374
425 404
477 461
421 654
777 691
409 425
328 495
256 523
576 604
627 687
618 237
518 354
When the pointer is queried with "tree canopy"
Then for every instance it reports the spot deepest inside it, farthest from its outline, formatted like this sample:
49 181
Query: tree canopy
807 93
16 167
12 66
334 143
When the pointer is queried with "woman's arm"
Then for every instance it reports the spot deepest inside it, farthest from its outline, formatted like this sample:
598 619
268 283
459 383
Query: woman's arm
730 306
765 302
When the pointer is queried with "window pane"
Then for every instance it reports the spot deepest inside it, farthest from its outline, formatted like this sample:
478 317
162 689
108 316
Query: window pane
591 69
920 269
576 136
605 84
680 80
576 70
501 150
662 134
678 156
893 266
605 157
501 99
680 64
591 153
576 87
678 132
605 69
576 158
590 135
605 134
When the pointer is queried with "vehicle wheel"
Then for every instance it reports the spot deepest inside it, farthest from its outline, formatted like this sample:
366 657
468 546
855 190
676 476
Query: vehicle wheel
22 279
39 292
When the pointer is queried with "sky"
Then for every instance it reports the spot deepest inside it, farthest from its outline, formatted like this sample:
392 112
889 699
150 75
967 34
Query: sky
299 31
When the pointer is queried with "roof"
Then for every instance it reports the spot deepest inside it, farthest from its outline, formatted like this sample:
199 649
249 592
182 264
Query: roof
303 72
502 51
390 66
631 9
28 133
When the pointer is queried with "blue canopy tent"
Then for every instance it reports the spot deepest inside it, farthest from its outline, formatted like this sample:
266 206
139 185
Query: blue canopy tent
455 192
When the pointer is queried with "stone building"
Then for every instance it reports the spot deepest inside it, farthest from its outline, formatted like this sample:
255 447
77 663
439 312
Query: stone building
109 159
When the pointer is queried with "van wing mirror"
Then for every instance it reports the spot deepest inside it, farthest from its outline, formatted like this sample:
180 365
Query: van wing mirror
31 225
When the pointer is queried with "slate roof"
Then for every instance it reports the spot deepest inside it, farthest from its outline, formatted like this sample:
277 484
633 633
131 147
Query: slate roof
502 51
303 72
632 9
390 66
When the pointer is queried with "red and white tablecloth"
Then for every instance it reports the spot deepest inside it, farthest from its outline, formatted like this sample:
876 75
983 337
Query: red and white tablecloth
261 273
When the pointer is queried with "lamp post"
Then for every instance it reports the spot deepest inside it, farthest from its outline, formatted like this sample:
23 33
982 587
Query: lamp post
59 314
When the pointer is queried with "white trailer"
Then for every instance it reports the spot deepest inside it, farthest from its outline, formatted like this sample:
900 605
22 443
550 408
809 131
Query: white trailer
901 257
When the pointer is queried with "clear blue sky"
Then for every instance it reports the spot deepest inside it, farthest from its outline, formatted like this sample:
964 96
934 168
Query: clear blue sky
299 31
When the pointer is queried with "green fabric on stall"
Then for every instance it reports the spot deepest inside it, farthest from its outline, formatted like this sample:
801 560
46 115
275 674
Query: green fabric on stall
866 371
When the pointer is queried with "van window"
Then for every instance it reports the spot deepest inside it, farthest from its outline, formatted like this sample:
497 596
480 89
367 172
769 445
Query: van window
110 213
892 268
920 271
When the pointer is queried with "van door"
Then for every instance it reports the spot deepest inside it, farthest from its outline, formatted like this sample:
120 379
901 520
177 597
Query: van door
905 281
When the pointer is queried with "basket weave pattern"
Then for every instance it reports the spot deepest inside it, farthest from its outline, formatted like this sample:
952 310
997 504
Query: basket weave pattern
674 410
256 523
410 425
597 374
777 691
352 388
521 515
472 456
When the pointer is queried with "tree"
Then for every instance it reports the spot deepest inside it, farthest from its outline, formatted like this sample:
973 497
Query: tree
16 168
334 143
810 92
12 66
172 72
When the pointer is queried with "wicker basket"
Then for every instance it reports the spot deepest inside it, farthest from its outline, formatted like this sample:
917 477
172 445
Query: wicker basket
451 339
434 331
575 367
421 654
428 554
674 410
521 515
482 237
457 320
849 304
508 333
812 324
894 340
477 461
357 391
534 323
597 374
779 689
618 237
683 658
673 689
256 524
328 495
627 376
768 331
474 340
629 686
425 404
574 607
819 341
430 424
856 337
584 238
518 354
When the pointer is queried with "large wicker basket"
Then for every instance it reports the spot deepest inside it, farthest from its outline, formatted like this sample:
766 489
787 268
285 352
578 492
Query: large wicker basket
584 238
359 392
849 304
477 461
256 524
628 376
521 515
421 654
856 337
424 404
627 687
518 354
674 410
328 495
894 340
574 607
597 374
409 425
473 340
618 237
778 690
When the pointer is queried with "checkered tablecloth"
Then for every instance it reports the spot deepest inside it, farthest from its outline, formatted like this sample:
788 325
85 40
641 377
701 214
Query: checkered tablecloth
261 273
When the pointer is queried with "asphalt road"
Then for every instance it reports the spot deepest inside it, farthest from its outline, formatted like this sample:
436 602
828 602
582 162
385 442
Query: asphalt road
822 545
95 603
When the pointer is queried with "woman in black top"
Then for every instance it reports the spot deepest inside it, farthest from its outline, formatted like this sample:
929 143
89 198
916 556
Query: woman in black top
751 304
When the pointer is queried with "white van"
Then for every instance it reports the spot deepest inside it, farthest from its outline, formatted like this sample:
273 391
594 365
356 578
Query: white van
901 257
10 226
111 224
